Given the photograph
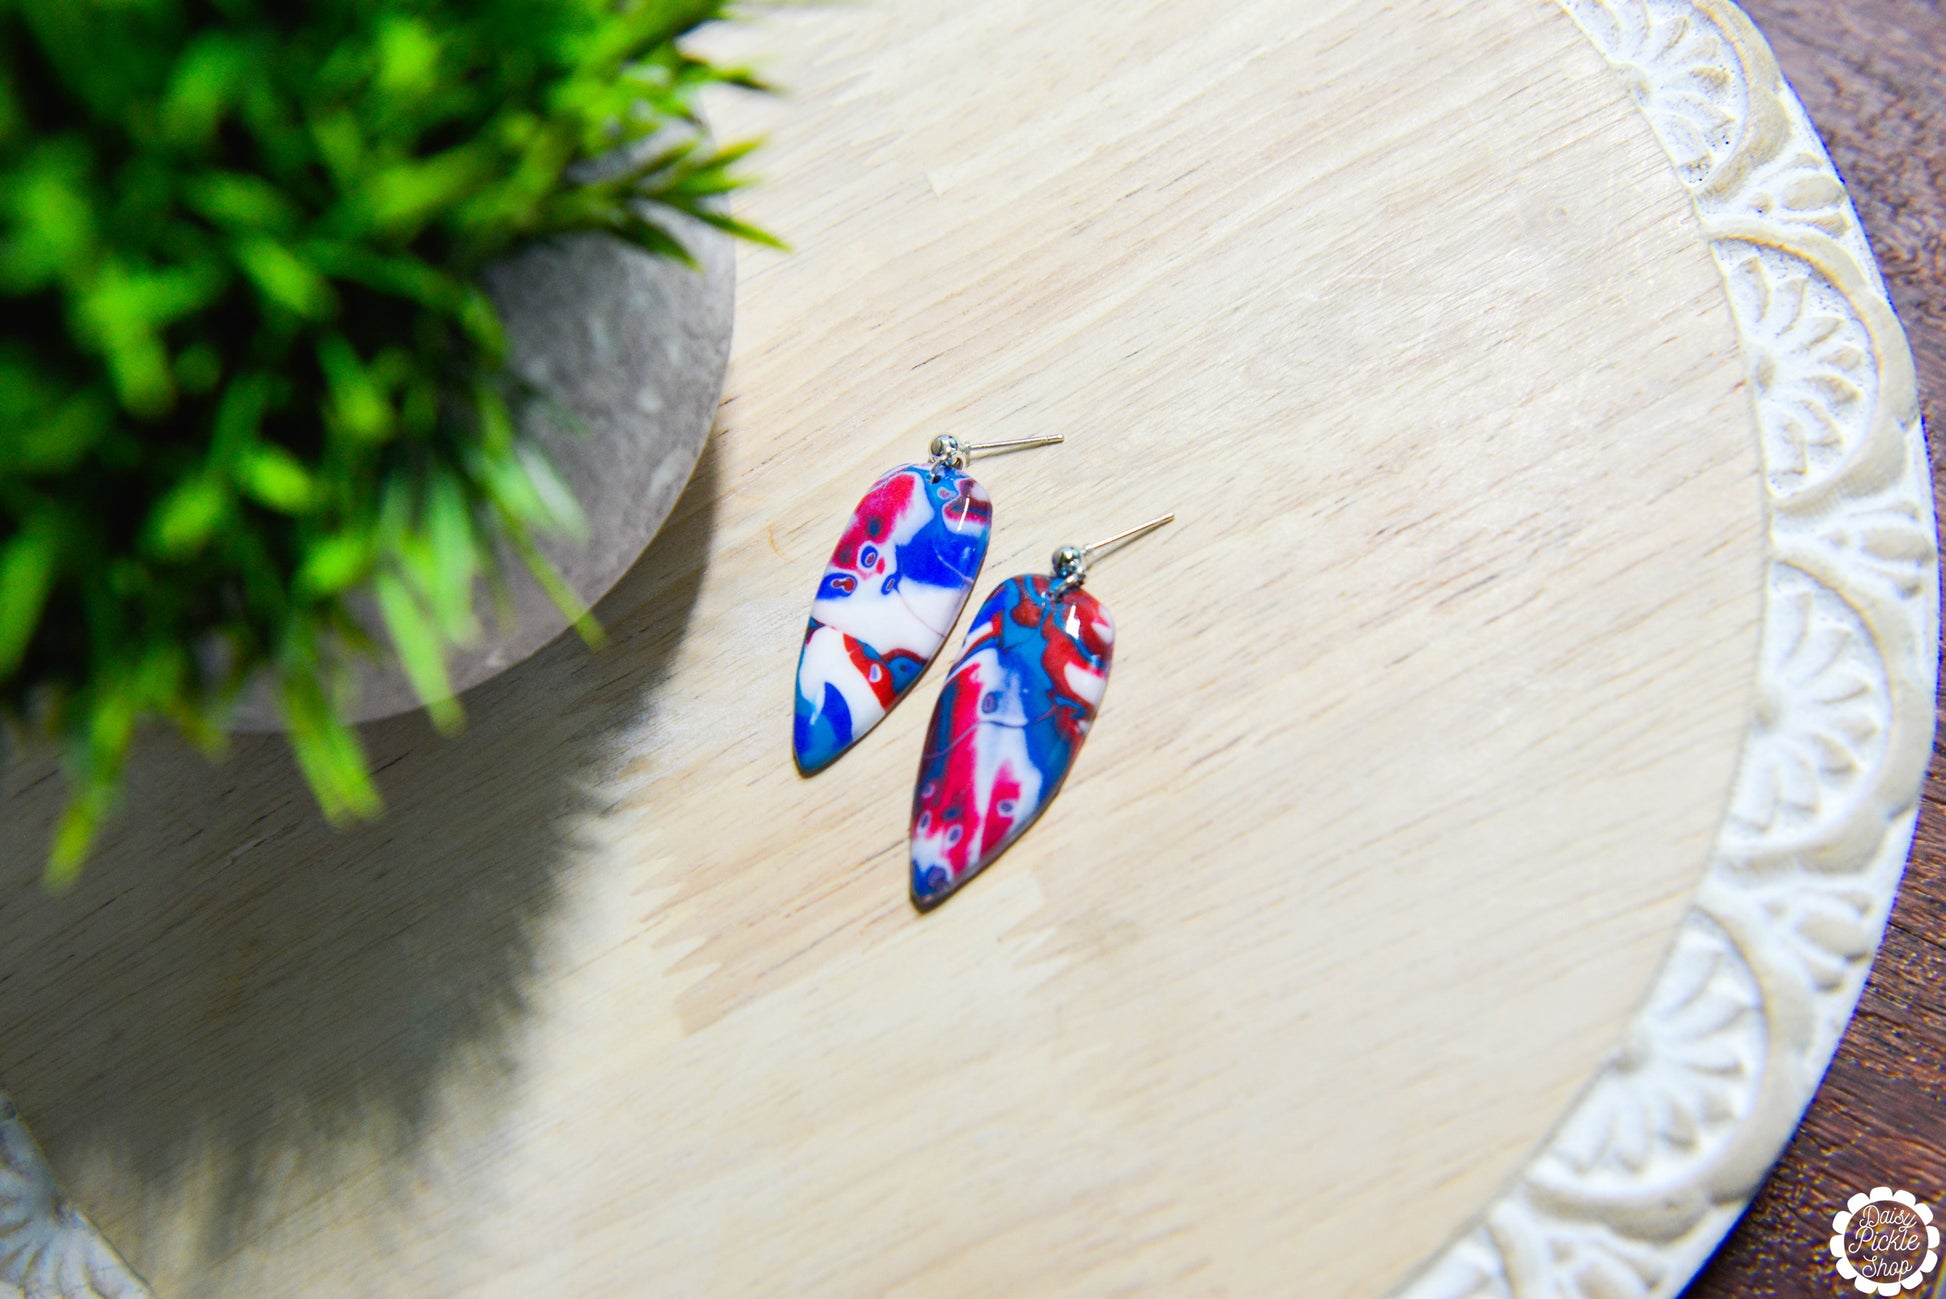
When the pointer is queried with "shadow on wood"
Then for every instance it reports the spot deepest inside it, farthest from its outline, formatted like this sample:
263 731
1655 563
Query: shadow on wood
233 986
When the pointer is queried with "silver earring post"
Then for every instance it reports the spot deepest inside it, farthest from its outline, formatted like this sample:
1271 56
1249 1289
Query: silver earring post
1071 562
948 452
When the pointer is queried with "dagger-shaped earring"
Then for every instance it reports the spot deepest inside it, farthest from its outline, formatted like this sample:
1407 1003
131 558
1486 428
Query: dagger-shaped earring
1010 720
891 593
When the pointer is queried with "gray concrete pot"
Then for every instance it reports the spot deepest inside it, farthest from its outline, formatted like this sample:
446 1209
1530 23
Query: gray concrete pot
634 347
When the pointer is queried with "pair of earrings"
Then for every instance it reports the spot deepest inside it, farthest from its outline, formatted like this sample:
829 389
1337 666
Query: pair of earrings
1018 701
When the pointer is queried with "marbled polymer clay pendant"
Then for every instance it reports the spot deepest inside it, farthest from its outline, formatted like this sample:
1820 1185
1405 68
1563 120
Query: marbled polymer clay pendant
1015 709
890 595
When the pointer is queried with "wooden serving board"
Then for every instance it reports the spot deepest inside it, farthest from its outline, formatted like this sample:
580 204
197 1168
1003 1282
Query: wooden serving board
1424 714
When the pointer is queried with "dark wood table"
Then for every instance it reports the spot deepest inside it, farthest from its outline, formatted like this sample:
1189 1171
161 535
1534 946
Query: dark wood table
1873 75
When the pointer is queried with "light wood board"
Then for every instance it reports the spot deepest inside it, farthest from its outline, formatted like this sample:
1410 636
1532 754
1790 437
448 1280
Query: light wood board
1422 719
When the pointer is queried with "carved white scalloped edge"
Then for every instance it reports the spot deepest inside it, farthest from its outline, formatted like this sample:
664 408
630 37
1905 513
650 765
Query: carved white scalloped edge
48 1248
1664 1148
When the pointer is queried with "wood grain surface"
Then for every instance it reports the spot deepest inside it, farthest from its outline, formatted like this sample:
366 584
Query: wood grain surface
1423 718
1872 74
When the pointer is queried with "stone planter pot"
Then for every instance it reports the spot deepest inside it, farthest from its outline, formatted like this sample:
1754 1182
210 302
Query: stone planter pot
634 348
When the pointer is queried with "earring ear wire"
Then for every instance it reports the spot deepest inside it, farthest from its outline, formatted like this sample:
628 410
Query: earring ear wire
948 452
1071 562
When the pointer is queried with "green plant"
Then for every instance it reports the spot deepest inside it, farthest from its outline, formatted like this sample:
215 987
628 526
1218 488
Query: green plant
245 366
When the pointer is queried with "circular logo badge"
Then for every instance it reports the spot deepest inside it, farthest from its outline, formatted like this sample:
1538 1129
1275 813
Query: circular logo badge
1885 1242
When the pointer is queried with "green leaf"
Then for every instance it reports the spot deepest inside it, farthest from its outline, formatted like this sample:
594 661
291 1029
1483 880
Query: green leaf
526 489
578 614
712 176
241 201
400 199
28 562
395 275
121 313
327 750
274 477
48 439
10 117
184 519
198 368
335 563
730 225
419 650
562 513
94 766
285 278
652 238
206 78
481 321
340 146
452 560
358 405
239 413
408 57
496 427
75 832
50 233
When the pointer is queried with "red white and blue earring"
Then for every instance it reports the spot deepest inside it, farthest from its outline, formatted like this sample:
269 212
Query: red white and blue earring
893 590
1012 716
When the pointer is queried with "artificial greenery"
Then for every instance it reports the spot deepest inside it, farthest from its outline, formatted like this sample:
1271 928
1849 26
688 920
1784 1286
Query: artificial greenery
246 368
